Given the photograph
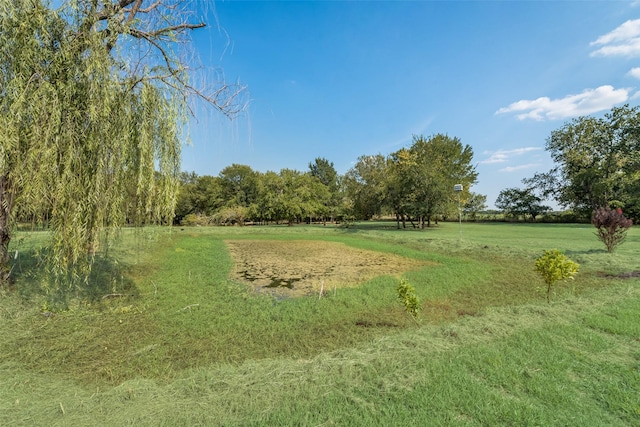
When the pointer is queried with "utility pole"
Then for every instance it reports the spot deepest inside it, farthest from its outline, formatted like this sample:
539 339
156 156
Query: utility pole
458 189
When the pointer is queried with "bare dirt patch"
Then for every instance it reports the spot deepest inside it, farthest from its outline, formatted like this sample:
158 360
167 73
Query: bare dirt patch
298 268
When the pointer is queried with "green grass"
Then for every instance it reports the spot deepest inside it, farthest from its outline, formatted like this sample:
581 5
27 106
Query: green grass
188 346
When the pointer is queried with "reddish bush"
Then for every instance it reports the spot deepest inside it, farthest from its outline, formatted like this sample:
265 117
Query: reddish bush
611 226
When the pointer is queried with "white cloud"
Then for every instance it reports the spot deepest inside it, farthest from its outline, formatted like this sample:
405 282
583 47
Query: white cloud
623 41
587 102
628 30
630 48
634 72
502 156
519 167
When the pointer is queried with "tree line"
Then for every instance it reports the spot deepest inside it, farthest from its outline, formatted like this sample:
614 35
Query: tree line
597 165
414 184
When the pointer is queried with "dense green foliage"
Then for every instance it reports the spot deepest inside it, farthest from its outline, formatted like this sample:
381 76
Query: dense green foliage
597 163
475 204
553 266
184 345
516 202
421 178
414 184
324 170
366 185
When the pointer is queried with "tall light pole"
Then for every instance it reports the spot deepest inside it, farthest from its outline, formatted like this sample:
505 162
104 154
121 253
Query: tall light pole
458 189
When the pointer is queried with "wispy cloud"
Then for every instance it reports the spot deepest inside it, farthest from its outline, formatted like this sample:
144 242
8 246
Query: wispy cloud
587 102
623 41
519 167
419 128
502 156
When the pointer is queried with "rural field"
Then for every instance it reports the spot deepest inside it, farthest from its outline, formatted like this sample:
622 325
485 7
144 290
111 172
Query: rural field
302 325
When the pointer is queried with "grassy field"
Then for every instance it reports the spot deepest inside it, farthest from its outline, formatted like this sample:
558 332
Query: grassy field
166 337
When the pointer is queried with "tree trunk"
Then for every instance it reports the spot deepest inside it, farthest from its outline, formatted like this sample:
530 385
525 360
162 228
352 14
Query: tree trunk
6 203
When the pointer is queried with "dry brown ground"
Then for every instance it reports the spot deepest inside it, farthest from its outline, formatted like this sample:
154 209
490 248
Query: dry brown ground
297 268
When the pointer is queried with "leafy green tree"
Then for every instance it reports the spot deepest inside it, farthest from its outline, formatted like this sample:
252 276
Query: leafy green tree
597 163
188 178
302 196
400 182
207 195
474 204
85 117
239 185
198 195
422 177
517 202
289 196
444 162
268 205
366 186
325 172
184 202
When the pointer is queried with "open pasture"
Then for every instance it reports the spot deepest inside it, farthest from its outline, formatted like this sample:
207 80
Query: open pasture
180 330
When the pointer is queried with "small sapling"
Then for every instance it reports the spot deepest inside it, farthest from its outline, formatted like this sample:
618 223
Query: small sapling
553 265
408 297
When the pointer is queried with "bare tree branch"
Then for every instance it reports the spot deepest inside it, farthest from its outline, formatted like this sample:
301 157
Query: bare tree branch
134 11
148 9
178 28
121 16
147 37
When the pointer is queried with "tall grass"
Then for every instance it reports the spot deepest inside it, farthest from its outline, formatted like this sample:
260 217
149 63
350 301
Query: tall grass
191 347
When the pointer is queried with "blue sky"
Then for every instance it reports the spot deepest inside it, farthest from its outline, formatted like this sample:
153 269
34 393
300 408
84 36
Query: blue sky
344 79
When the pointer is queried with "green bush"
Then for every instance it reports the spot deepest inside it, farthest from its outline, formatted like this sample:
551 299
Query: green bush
407 295
234 215
553 265
194 219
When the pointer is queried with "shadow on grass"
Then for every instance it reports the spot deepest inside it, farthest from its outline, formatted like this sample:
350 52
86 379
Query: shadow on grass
384 225
31 278
570 252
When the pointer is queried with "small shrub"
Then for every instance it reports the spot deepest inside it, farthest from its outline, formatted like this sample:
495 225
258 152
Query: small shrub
234 215
407 295
611 226
553 265
194 219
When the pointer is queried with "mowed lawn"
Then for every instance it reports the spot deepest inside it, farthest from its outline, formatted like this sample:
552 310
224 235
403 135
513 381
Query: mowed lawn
167 336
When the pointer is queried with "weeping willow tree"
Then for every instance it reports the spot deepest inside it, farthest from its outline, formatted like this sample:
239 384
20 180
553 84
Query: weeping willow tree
94 96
